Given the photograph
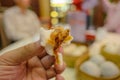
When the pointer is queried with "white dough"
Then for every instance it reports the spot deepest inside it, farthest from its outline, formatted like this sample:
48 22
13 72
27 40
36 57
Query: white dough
79 51
44 36
109 69
75 50
69 49
91 69
97 59
113 48
105 39
82 49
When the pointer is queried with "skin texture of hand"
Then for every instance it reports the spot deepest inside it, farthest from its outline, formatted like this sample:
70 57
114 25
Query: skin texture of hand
30 62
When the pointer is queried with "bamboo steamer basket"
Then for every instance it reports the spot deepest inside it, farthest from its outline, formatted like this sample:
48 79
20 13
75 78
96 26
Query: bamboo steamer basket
84 76
70 60
112 57
118 79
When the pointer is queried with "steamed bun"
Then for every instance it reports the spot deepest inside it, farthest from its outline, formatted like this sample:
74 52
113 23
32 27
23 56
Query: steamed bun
82 49
109 69
44 36
54 38
91 69
79 51
97 59
69 49
112 48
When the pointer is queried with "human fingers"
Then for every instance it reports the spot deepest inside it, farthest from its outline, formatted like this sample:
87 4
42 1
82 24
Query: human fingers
59 77
48 61
51 73
59 68
21 54
42 54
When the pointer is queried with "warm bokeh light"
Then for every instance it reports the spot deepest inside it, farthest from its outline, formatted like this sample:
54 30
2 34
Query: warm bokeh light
54 21
58 5
54 14
61 1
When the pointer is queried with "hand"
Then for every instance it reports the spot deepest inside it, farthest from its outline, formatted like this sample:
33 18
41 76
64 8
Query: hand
30 62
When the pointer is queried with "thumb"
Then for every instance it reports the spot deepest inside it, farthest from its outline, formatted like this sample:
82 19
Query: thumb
21 54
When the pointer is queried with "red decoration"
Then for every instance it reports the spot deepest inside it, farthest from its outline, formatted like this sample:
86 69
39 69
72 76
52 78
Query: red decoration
78 4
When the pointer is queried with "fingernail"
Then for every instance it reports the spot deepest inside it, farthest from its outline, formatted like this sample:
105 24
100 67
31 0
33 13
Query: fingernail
61 50
59 77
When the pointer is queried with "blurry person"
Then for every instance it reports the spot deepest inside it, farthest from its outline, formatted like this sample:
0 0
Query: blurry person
89 4
20 22
113 16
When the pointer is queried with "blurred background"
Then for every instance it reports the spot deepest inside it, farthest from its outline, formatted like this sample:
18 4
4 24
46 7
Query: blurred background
94 25
87 13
